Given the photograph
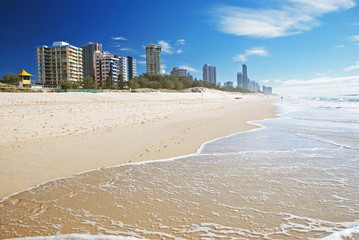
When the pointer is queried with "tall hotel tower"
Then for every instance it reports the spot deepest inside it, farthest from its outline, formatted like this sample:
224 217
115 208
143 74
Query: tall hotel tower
88 51
245 76
59 63
209 74
153 59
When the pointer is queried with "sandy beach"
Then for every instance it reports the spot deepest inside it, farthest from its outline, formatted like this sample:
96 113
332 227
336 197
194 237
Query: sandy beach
46 136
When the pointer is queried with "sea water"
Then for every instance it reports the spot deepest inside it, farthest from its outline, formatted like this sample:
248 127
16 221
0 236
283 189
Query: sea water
295 177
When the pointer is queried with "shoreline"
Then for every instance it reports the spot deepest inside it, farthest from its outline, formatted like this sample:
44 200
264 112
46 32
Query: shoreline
153 136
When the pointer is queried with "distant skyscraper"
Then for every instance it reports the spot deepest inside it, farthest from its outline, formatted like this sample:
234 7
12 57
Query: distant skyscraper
239 80
153 59
88 51
245 76
228 84
179 72
267 90
209 74
59 63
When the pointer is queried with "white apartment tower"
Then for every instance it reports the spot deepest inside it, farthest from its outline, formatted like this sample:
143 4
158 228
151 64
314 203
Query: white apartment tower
58 63
123 68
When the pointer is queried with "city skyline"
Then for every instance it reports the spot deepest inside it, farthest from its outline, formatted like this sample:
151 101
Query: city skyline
295 46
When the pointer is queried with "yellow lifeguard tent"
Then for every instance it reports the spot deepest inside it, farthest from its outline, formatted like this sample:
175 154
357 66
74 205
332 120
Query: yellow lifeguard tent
25 79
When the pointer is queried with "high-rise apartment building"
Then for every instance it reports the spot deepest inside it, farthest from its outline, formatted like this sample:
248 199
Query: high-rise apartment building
239 80
153 59
245 76
128 68
88 51
179 72
105 65
58 63
267 90
131 68
123 68
209 74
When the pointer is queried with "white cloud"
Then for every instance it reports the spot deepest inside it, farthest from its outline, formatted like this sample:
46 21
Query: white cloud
188 68
354 38
240 58
143 55
322 86
258 51
165 47
163 66
119 38
141 62
181 41
124 49
350 68
290 17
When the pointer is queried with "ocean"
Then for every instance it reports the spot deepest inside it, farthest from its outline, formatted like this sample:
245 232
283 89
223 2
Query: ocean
295 177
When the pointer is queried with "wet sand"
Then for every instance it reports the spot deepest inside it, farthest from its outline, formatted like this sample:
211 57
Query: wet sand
46 136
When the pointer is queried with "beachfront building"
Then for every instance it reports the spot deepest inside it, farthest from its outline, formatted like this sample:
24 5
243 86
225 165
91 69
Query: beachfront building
253 86
267 90
153 59
131 68
25 79
179 72
123 67
239 80
228 84
58 63
209 74
88 51
105 65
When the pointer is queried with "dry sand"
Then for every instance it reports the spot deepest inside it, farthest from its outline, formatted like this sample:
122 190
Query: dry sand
44 136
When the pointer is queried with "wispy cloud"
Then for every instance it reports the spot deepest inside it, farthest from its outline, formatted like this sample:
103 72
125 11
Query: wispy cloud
355 38
258 51
143 55
288 18
350 68
188 68
181 41
165 47
119 38
141 62
319 86
125 49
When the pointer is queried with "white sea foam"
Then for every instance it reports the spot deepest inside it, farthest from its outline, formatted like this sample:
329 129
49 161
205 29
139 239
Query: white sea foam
76 237
349 234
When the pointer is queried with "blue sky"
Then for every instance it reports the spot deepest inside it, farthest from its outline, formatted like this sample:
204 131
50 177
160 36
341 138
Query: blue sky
296 46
